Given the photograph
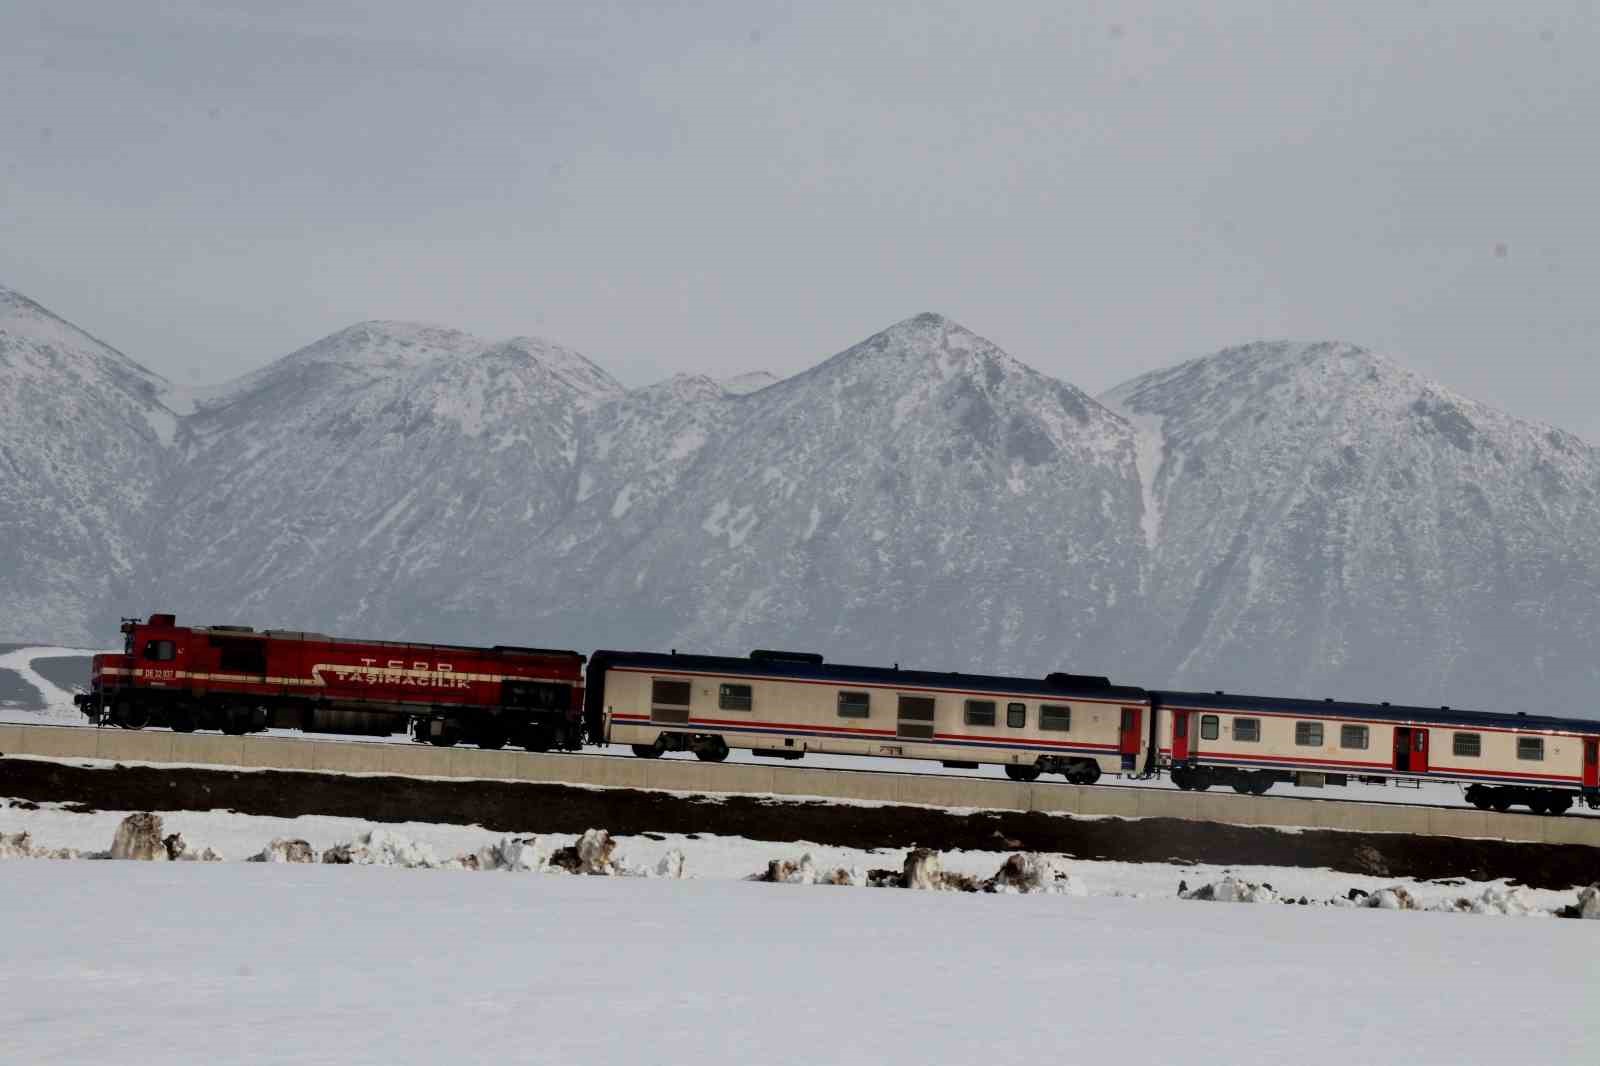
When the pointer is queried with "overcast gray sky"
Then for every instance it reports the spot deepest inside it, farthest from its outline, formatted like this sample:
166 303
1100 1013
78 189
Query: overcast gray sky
1099 188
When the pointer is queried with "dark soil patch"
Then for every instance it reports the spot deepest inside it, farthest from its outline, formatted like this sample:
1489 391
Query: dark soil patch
515 807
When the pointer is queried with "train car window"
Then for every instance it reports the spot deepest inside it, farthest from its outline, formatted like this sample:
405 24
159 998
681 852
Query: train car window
669 693
855 704
1530 749
1209 729
1055 717
916 718
1247 730
1467 745
161 651
1308 734
735 698
980 712
1353 736
1017 715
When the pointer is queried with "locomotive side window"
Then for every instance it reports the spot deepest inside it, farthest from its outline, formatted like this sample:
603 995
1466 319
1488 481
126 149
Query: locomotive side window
1209 728
1467 745
1016 715
980 712
1055 718
855 704
1353 736
162 651
1308 734
669 693
1247 730
1530 749
242 656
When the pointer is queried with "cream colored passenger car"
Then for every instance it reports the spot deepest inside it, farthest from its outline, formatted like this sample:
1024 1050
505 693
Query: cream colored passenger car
785 705
1249 742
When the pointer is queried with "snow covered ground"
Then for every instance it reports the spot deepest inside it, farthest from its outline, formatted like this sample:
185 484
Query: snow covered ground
186 962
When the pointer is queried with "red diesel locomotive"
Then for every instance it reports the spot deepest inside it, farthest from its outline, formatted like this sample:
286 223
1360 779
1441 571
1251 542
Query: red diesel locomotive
238 680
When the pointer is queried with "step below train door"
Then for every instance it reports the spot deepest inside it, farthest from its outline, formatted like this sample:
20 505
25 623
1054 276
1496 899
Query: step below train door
1130 739
1591 762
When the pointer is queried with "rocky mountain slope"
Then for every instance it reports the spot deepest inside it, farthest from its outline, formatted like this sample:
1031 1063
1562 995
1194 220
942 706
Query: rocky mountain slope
85 444
1301 519
1323 521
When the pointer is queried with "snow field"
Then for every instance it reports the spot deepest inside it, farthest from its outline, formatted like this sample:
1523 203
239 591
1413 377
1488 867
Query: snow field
145 962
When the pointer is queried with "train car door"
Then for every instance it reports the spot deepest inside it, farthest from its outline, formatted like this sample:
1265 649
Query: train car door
1591 762
1180 735
1411 750
1131 738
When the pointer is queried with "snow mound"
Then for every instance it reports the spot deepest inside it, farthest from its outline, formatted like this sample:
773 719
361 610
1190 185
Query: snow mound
515 854
591 855
281 850
21 846
383 847
1493 901
924 871
1231 890
670 866
805 872
1026 872
1393 898
139 838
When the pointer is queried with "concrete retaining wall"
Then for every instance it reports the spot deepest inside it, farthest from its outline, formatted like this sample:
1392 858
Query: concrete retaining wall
160 746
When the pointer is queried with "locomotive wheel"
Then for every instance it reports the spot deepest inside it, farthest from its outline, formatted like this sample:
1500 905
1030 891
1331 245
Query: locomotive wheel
536 739
180 720
492 738
130 715
1021 772
1561 804
443 740
713 753
647 751
236 721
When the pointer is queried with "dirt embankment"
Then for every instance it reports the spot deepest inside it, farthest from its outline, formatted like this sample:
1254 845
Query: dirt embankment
540 808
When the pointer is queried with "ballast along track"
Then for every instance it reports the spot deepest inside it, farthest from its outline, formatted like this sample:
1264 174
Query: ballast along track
759 783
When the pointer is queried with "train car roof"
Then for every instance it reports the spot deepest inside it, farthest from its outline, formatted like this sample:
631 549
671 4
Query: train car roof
1383 712
813 668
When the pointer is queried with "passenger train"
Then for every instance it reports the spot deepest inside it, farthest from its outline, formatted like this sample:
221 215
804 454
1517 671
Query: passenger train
786 705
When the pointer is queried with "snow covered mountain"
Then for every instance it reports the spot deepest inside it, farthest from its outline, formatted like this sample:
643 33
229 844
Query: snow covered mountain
85 441
1321 521
921 497
1299 519
362 479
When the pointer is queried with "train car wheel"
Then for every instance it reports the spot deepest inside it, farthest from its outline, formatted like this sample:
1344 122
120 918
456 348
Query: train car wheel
1259 786
1019 772
1561 804
716 752
1500 803
647 751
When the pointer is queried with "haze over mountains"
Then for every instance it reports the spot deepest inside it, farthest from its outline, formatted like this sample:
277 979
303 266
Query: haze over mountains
1296 518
